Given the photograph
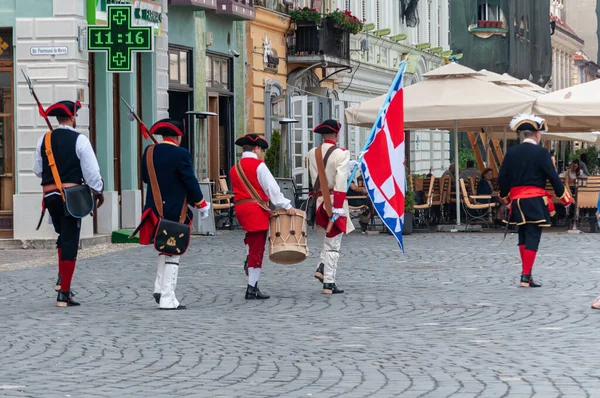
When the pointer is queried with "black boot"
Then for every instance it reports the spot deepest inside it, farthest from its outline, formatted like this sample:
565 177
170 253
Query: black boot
319 272
57 287
253 293
527 281
331 288
157 298
65 299
246 266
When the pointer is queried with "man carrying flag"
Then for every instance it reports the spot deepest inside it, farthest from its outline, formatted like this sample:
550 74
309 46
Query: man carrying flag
328 166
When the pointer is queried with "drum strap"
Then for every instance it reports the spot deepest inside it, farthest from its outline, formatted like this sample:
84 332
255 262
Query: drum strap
322 178
255 197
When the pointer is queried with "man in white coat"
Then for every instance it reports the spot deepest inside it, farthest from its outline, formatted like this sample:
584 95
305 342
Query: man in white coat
332 212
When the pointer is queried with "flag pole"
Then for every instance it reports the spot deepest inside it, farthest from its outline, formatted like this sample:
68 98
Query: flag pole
374 128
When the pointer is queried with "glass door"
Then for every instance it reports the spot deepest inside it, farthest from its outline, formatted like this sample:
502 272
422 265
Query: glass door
297 133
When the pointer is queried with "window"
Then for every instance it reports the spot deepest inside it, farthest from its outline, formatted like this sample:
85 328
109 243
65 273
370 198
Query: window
179 67
488 10
218 72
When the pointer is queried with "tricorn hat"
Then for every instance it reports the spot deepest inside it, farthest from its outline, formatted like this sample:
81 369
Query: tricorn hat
64 109
526 122
167 128
329 126
252 139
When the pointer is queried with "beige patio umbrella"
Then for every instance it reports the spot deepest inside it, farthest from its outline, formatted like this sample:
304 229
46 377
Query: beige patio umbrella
574 108
451 98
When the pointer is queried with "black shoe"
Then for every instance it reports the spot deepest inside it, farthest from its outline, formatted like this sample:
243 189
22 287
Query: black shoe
157 298
319 272
180 307
65 299
331 288
253 293
527 281
246 266
57 287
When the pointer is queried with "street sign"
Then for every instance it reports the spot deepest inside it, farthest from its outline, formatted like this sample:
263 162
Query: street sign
119 39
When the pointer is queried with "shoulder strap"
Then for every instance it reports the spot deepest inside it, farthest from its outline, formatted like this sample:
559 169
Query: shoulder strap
323 177
317 185
52 163
249 187
156 189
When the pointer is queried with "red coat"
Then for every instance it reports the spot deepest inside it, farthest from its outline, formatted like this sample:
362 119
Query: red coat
251 216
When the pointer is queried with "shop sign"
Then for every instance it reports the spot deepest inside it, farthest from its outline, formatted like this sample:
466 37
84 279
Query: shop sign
119 39
145 12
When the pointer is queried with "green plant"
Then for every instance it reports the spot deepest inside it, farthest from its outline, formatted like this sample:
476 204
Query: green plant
306 14
409 197
346 21
272 155
464 155
592 156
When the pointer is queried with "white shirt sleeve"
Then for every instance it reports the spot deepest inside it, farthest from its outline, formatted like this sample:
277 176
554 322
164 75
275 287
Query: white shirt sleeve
89 163
269 185
38 164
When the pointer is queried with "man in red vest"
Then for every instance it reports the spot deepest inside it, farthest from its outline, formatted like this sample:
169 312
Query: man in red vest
253 212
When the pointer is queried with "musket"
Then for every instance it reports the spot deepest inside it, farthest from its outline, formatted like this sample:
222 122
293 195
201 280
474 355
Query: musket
134 116
35 97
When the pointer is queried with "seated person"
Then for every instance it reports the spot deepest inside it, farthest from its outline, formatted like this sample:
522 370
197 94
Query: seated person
470 171
356 190
485 187
574 173
450 171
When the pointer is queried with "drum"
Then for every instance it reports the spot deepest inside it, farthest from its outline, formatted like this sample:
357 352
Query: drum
287 237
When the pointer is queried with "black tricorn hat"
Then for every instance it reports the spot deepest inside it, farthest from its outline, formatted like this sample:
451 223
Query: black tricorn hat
527 122
329 126
64 109
168 128
252 139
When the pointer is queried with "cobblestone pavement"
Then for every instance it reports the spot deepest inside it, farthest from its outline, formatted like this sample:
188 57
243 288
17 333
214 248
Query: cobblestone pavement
445 320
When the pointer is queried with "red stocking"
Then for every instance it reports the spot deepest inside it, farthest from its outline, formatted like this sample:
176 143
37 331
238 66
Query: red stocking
59 260
68 268
528 260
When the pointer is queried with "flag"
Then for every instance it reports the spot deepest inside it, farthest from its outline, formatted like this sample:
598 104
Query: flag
383 160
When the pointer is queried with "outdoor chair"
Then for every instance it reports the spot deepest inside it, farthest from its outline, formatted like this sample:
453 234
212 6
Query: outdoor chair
423 211
223 205
474 210
587 200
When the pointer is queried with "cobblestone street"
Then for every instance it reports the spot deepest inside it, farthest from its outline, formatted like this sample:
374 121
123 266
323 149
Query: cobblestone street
447 319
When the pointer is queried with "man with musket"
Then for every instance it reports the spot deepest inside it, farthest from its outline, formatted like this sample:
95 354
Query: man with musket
170 176
65 159
522 179
254 187
331 163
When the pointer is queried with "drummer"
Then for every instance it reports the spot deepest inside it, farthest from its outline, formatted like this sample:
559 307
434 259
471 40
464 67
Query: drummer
252 205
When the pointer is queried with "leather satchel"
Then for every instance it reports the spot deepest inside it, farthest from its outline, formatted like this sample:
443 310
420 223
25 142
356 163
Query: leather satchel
79 201
171 237
310 206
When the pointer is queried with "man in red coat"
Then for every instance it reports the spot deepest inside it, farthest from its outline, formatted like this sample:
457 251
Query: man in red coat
253 213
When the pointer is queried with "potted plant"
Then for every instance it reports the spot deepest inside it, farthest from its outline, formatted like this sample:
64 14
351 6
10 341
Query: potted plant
409 208
481 24
344 20
306 16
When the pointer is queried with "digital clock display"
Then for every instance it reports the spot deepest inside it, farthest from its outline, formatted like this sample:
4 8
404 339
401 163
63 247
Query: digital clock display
119 39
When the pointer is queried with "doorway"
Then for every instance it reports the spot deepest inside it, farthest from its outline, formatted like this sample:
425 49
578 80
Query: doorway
7 176
180 102
117 131
226 139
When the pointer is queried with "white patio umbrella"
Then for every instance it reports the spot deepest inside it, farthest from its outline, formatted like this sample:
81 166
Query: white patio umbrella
452 97
574 108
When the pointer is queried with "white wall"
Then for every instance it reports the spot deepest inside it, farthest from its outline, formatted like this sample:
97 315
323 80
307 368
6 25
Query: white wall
56 78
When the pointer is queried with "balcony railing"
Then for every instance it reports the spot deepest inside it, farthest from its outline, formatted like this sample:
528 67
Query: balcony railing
204 5
236 9
325 39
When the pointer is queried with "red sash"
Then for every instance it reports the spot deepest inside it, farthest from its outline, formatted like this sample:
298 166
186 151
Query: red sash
526 192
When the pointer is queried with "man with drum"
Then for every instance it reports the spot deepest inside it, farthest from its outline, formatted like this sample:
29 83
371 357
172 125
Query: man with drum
254 186
332 209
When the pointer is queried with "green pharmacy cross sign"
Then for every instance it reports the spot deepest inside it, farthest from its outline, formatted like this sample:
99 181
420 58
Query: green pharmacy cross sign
119 39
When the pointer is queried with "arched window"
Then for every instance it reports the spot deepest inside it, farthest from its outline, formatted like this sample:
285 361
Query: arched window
489 10
274 107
